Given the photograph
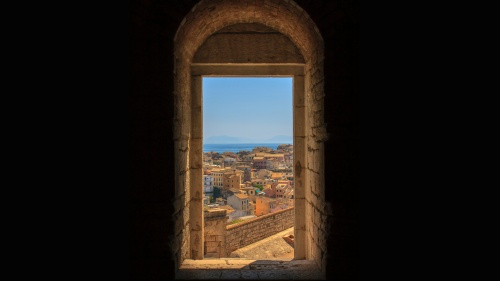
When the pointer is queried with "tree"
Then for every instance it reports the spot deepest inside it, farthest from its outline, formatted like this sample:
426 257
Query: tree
243 153
217 192
284 147
261 149
260 187
229 154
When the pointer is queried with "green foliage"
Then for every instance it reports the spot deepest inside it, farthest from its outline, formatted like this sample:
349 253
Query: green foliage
260 187
236 221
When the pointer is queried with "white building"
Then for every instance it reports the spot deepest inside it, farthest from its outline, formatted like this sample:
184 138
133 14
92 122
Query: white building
208 184
229 162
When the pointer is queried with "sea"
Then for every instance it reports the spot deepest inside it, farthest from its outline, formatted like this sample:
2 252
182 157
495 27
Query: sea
235 147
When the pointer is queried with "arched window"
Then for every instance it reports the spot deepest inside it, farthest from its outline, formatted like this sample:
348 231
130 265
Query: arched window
203 47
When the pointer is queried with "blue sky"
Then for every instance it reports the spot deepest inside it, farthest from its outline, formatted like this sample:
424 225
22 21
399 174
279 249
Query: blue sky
256 108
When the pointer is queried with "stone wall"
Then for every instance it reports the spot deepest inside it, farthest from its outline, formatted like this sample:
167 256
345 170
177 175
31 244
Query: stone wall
215 233
251 231
287 24
160 194
248 43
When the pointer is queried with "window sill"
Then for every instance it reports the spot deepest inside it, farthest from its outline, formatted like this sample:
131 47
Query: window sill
245 269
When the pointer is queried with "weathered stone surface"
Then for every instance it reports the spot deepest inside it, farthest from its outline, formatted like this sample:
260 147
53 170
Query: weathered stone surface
247 46
273 247
291 23
250 270
254 230
215 233
154 26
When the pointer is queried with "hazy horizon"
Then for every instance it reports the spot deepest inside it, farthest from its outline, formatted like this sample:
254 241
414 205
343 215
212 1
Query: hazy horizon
223 139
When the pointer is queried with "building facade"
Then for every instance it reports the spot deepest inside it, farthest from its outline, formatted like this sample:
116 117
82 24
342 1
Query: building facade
208 184
240 202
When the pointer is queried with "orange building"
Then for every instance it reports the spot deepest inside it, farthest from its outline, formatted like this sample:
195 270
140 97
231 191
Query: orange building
263 205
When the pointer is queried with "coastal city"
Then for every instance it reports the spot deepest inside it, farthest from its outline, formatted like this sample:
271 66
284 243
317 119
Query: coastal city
248 178
249 184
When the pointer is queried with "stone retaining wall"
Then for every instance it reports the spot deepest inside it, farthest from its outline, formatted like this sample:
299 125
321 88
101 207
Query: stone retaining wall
251 231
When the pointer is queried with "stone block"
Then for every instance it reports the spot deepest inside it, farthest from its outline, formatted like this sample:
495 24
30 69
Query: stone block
274 275
231 274
298 91
240 262
249 274
210 238
196 155
299 123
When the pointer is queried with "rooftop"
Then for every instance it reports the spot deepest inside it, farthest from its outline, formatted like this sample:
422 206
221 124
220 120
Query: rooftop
267 199
241 196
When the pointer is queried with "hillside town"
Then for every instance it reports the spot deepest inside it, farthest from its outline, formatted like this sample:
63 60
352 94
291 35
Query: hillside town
249 184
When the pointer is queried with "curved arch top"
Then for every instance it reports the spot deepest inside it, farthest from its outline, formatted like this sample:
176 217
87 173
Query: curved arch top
286 17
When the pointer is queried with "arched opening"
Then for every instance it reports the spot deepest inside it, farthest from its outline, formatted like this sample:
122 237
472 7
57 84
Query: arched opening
196 54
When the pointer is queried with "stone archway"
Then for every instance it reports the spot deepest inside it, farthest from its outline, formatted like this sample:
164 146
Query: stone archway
287 18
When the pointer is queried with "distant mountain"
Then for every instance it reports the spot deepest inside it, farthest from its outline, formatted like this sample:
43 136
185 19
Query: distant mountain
222 139
280 139
229 139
